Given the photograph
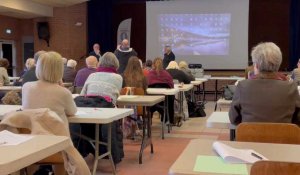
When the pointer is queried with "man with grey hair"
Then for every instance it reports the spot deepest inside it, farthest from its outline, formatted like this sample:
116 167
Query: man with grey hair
268 97
81 76
70 71
30 74
123 53
168 56
96 51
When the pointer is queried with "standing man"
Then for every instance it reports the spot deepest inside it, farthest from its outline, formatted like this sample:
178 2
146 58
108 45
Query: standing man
123 53
96 51
168 56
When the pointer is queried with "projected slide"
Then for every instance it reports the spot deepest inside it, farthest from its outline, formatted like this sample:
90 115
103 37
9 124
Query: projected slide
195 34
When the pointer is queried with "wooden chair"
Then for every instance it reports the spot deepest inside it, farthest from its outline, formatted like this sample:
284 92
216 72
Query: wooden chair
55 159
134 91
275 168
268 133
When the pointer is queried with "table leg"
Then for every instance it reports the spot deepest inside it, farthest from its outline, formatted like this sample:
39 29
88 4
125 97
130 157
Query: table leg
203 91
164 119
167 113
109 138
232 134
97 130
216 90
147 140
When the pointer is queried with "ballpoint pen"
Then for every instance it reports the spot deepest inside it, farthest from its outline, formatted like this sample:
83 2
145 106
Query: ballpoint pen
257 156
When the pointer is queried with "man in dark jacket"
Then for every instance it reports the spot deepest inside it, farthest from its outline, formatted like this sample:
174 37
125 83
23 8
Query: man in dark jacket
123 53
168 56
30 74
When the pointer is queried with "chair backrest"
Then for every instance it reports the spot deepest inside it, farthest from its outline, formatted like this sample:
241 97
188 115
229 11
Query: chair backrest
159 85
275 168
268 133
134 91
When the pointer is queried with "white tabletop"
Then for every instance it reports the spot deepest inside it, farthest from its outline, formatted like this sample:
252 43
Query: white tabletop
202 79
162 91
8 108
227 78
184 87
141 100
14 158
219 120
184 164
13 78
197 82
222 101
99 115
10 88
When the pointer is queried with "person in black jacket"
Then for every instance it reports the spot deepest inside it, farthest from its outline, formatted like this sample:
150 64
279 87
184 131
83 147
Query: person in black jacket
177 74
168 56
123 53
96 51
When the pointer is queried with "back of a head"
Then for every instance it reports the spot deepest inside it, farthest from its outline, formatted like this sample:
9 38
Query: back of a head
148 63
91 62
65 60
37 55
109 59
30 62
50 67
4 63
183 65
172 65
267 56
133 66
157 64
71 63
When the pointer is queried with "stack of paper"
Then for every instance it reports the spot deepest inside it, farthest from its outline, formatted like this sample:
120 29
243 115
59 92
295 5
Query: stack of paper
233 155
9 138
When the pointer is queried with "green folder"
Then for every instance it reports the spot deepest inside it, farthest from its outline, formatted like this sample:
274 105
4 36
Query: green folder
215 164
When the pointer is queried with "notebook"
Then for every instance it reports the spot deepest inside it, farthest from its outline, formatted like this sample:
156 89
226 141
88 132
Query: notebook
234 155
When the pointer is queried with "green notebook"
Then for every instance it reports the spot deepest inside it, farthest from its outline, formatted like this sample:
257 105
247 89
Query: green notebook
215 164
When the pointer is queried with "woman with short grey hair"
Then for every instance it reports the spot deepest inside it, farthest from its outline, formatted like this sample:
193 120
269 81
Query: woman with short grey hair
266 57
105 82
268 97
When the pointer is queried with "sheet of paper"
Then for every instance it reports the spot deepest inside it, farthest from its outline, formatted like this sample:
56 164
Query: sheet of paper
215 164
9 138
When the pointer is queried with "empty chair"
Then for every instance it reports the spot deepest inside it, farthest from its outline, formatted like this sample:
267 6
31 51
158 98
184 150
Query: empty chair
275 168
268 133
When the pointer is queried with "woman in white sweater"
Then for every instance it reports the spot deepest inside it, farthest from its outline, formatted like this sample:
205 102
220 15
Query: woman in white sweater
105 82
46 92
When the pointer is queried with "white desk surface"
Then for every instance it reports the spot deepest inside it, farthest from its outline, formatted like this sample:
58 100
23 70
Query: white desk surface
141 100
162 91
202 79
219 120
222 101
10 88
8 108
100 115
184 87
227 78
197 82
14 158
13 78
184 164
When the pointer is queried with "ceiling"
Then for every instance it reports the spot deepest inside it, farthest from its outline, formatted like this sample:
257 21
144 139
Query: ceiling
27 9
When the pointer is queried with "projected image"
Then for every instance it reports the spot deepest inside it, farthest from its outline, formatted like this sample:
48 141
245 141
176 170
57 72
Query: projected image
195 34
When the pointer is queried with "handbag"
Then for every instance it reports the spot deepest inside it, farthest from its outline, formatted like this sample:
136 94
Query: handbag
229 92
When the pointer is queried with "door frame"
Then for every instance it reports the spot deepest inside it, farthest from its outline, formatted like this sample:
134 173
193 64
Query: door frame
14 57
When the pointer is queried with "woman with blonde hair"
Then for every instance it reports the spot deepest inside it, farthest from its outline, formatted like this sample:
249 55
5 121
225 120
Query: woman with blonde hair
183 66
46 92
177 74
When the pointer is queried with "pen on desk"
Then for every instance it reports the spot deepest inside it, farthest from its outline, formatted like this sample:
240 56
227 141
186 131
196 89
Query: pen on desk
257 156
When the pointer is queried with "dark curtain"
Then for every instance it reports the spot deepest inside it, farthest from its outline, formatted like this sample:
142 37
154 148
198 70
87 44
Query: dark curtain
294 33
100 24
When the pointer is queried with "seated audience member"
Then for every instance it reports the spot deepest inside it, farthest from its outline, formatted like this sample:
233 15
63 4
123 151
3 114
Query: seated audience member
249 71
105 82
267 97
30 74
96 51
159 75
4 80
123 53
30 64
46 92
177 74
148 67
296 73
183 66
70 71
81 76
133 77
160 78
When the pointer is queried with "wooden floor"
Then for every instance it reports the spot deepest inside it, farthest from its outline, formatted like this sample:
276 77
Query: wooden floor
165 151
